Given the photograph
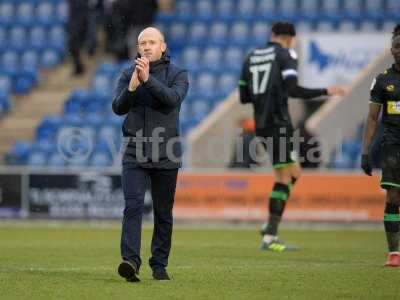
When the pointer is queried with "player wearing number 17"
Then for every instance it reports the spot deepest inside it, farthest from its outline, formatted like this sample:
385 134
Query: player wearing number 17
268 78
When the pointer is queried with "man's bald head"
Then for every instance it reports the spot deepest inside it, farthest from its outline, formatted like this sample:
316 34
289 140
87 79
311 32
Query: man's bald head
152 31
151 43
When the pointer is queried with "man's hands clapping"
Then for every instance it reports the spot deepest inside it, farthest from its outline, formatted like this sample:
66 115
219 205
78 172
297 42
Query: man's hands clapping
143 69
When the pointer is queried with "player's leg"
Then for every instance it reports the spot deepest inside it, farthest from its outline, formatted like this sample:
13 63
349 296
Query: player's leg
284 170
163 186
134 185
391 222
391 182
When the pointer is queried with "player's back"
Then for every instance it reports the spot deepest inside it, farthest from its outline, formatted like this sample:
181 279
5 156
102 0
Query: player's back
264 71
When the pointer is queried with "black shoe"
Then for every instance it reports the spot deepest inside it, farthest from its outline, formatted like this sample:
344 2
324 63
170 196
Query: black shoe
160 274
129 271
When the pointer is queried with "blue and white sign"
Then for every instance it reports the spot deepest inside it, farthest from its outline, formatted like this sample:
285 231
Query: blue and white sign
336 58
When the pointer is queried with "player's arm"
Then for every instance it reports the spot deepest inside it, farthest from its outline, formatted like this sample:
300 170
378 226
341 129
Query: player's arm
244 94
288 62
371 125
297 91
125 93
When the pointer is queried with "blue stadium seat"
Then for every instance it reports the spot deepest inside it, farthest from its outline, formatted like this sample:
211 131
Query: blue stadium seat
18 38
352 8
93 119
100 159
62 13
45 13
38 38
191 58
10 60
25 13
7 14
57 37
177 34
56 160
246 9
225 10
233 58
211 60
239 34
30 58
72 120
50 58
45 146
330 13
37 159
288 10
204 10
89 131
259 33
20 152
227 82
374 9
393 9
267 9
114 120
206 83
5 83
218 33
48 128
23 84
198 33
200 109
183 9
102 84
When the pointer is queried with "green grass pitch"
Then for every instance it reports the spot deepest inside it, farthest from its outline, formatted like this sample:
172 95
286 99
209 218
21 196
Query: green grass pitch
80 263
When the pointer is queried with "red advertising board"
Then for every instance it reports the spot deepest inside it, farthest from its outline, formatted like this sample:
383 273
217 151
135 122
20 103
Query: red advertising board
244 196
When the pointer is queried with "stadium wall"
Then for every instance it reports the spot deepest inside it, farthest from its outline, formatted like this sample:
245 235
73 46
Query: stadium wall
233 196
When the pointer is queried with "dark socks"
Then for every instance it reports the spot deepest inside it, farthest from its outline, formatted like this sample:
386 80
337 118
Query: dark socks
277 203
391 222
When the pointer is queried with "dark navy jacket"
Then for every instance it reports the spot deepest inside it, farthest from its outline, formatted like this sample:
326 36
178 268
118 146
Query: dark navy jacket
153 108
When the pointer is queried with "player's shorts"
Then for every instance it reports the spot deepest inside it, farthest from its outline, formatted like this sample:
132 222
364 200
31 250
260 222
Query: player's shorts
278 141
390 166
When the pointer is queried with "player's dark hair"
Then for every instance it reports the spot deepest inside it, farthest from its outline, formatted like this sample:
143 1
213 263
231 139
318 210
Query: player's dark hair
283 28
396 31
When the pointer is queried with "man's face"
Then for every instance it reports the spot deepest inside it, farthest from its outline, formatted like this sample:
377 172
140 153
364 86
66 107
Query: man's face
151 44
396 49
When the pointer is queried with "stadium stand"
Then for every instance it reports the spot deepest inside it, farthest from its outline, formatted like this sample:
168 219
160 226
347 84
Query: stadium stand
208 37
32 37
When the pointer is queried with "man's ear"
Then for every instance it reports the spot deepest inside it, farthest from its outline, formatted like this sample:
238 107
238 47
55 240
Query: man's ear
163 47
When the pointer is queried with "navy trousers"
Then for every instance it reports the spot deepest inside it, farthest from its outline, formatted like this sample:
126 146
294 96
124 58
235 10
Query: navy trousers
135 182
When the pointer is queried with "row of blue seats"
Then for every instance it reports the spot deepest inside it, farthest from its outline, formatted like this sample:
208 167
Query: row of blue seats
240 32
32 35
19 82
289 9
77 153
47 58
46 13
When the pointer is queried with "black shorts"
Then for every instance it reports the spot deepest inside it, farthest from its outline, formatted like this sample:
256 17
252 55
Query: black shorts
278 141
390 166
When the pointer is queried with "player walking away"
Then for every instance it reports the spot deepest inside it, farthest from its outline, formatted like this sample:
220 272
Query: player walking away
269 77
385 96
